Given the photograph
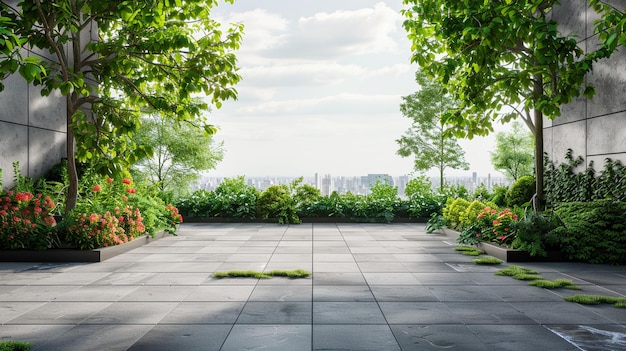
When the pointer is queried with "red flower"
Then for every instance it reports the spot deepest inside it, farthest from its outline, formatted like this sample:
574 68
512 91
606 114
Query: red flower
109 180
131 191
97 188
23 196
124 197
126 181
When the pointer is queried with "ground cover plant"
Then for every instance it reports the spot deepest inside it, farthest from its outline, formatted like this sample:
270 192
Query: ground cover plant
297 273
488 260
15 346
618 302
521 273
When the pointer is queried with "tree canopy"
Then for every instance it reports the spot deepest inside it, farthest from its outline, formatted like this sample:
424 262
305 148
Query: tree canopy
492 54
116 60
514 152
181 151
426 139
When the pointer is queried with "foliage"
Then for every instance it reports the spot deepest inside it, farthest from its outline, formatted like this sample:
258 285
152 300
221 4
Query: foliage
534 233
521 192
26 221
514 154
499 195
554 284
503 227
233 198
435 223
180 151
568 183
148 56
422 201
453 212
88 232
471 213
15 346
276 204
481 193
426 139
593 231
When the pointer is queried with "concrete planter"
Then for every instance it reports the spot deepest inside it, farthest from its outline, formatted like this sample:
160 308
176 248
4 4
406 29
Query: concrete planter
75 255
511 255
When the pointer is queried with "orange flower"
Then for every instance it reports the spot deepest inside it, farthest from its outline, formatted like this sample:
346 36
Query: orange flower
109 180
97 188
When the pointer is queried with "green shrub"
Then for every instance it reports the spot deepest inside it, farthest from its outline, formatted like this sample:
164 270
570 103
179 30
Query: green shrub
593 231
453 211
277 204
535 233
499 195
521 191
470 214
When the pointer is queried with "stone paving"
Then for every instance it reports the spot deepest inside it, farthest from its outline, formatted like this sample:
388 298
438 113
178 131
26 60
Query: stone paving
374 287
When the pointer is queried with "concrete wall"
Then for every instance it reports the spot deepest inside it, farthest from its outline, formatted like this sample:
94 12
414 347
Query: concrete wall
593 128
32 130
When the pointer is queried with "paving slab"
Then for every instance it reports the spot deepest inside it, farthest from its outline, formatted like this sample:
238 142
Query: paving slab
373 287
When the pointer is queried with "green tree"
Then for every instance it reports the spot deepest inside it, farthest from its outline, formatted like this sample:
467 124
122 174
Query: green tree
116 60
514 153
426 140
181 150
491 54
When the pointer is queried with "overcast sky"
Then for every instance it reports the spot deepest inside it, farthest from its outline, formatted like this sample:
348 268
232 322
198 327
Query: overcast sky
321 90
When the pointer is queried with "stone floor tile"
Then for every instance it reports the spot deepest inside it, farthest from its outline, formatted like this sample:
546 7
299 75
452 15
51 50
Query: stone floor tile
418 313
330 278
464 293
96 337
354 337
437 337
276 313
60 313
553 312
204 313
520 338
268 338
377 278
222 292
183 337
281 293
402 293
333 293
347 313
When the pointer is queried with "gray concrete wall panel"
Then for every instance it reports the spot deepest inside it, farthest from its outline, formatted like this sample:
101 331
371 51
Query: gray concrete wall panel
14 100
606 135
609 79
46 148
47 112
568 136
13 147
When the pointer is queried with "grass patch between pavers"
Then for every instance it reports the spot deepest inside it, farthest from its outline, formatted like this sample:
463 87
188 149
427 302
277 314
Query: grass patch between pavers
513 271
488 260
554 284
297 273
619 302
15 346
469 251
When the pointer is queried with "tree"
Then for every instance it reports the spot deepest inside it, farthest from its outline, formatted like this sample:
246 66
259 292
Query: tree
116 60
426 140
514 152
491 54
180 151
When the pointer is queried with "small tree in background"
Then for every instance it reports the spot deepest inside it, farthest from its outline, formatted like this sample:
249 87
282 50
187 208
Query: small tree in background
514 155
181 150
426 140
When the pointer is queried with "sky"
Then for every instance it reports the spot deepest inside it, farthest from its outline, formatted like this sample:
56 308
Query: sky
321 91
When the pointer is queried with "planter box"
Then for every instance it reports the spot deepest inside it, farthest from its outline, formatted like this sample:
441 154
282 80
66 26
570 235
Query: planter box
74 255
511 255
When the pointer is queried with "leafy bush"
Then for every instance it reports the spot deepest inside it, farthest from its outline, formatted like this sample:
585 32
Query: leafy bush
453 212
499 195
15 346
593 231
471 212
277 204
534 233
521 191
233 198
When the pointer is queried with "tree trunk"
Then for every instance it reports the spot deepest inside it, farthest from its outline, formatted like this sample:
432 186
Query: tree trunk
71 196
538 120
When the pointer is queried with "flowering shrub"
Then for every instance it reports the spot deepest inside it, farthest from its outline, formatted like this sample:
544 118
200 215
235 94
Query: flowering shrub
26 222
88 232
491 225
174 219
